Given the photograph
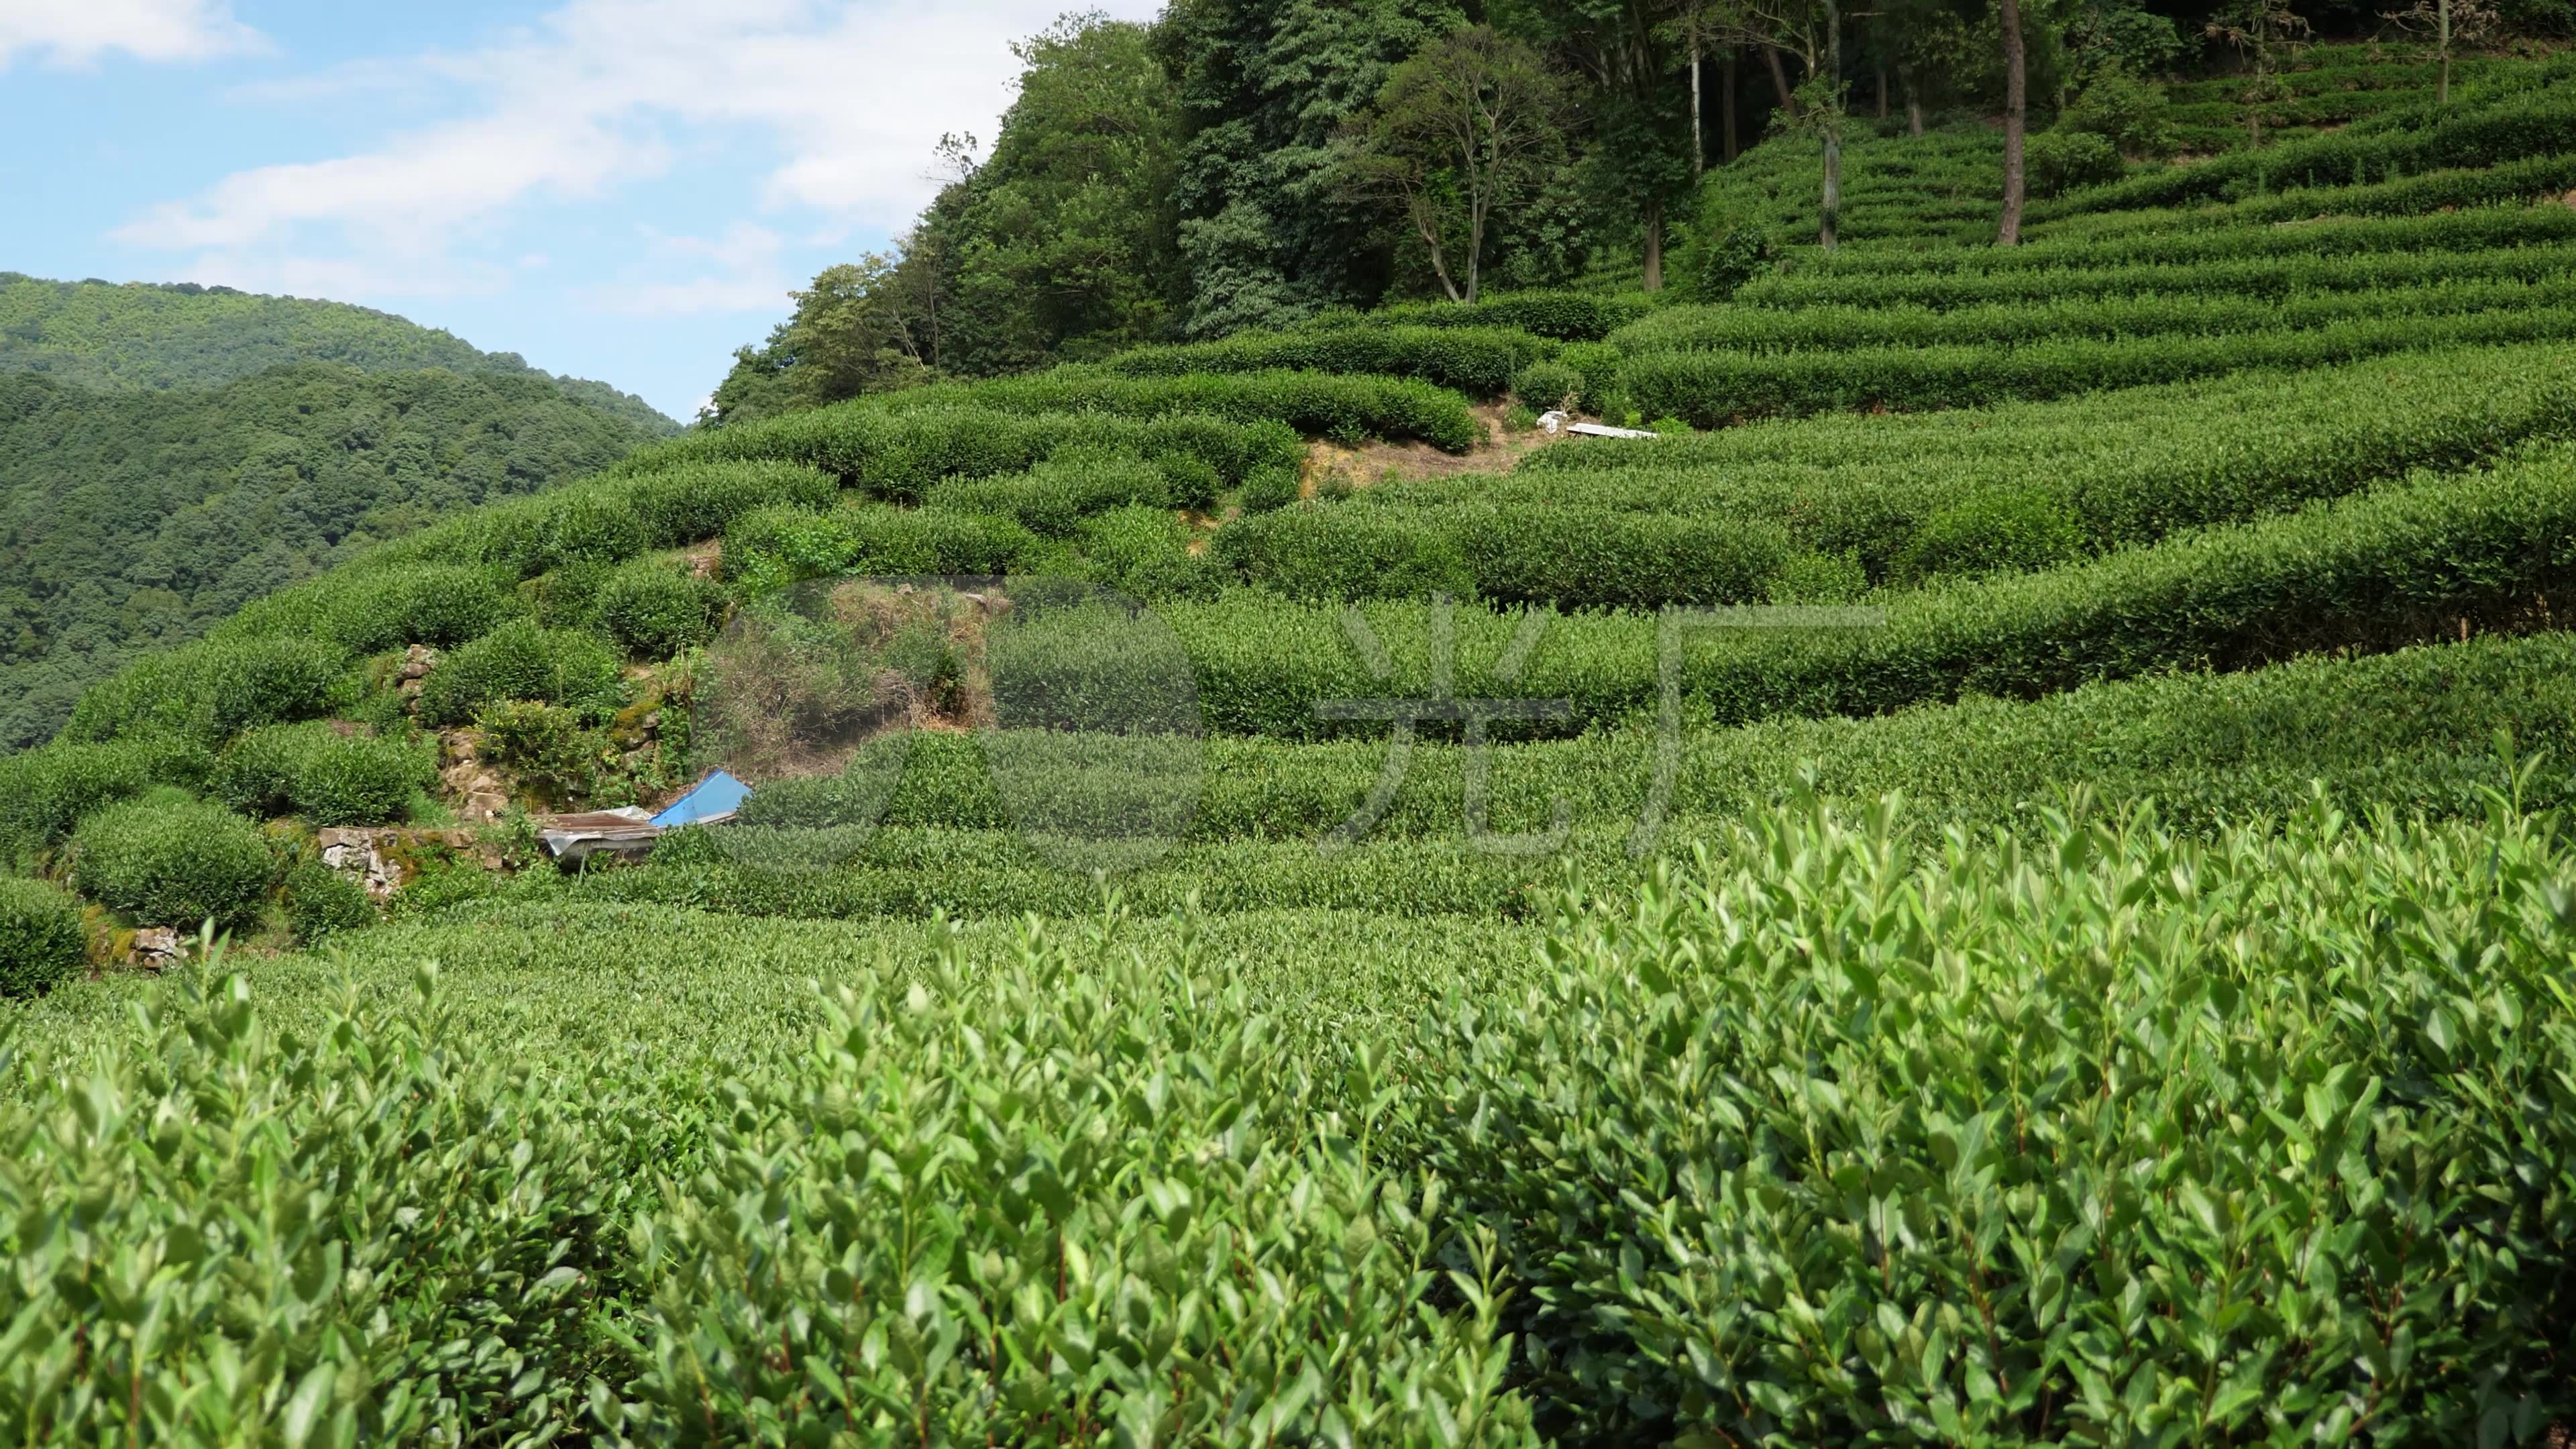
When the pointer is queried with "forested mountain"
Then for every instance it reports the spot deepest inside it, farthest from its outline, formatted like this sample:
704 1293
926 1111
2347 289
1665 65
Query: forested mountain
154 338
1235 165
133 520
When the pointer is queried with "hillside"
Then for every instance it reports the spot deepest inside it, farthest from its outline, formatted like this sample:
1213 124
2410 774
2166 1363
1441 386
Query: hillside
143 337
131 521
2003 878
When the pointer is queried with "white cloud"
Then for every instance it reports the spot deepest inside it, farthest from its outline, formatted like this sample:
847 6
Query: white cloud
849 97
80 32
749 275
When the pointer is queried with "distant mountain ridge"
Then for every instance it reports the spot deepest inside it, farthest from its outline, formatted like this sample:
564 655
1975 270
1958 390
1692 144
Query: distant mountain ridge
156 337
133 520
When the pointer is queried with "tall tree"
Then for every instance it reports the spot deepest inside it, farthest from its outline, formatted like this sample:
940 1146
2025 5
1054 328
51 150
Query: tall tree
2266 31
1469 125
861 327
2016 122
1638 116
2448 23
1727 105
1268 232
1695 25
1810 31
1065 242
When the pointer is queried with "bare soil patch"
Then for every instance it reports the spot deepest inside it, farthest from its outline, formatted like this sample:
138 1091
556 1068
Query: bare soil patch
1372 463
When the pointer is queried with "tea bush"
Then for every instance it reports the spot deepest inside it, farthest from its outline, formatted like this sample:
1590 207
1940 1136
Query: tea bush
1126 1099
316 771
2388 568
1569 556
1319 552
1563 316
777 546
2541 178
174 863
684 505
2267 277
1713 389
45 792
1144 553
2479 229
440 605
2027 1145
1476 361
521 661
2415 730
2536 123
1689 329
1346 408
1153 1130
321 903
1547 385
2061 160
951 433
1056 496
444 1295
548 750
42 941
657 611
214 689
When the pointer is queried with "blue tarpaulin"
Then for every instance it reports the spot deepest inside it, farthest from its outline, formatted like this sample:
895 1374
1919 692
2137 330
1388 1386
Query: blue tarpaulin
714 798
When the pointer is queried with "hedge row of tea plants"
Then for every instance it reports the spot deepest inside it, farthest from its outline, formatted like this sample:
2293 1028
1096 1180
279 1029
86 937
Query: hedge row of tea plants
2285 408
2274 277
1477 361
2540 121
2538 178
985 1199
950 433
2422 310
1563 316
1314 403
1713 389
2397 564
2414 730
2478 229
316 771
1524 553
2072 476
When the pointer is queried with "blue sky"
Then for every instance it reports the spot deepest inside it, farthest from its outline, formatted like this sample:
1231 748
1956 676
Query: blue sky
618 189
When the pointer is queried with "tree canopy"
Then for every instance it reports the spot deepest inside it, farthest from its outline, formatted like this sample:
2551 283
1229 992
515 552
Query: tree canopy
134 520
149 337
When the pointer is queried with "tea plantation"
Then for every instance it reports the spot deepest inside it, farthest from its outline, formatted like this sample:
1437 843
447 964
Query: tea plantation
2003 879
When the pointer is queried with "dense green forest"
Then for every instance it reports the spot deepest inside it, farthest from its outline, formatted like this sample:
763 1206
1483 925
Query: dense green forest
151 338
133 520
1235 165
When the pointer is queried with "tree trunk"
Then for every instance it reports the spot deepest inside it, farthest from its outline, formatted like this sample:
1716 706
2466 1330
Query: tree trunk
1780 82
1726 103
1699 147
1654 246
2016 106
1882 91
1913 101
2442 92
1426 225
1830 207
